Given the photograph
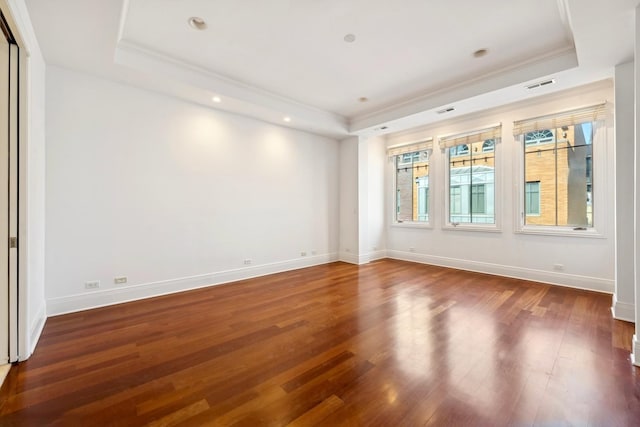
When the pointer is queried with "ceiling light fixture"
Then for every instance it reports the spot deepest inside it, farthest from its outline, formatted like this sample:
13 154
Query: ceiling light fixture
480 53
540 84
446 110
287 119
350 38
216 99
363 99
197 23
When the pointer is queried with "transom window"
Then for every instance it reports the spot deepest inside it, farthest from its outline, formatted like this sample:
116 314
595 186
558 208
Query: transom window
543 136
489 145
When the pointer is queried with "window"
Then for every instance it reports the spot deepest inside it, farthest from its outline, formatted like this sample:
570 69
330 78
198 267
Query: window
411 181
471 171
423 200
532 198
410 157
558 169
477 199
538 137
455 205
460 150
488 145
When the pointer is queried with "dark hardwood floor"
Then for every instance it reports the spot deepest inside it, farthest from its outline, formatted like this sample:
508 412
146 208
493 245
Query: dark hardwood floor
386 344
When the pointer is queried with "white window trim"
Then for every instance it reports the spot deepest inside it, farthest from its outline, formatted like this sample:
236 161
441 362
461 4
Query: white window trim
497 182
600 198
412 224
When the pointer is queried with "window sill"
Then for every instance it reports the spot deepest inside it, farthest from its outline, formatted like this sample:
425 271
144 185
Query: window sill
472 227
560 232
412 224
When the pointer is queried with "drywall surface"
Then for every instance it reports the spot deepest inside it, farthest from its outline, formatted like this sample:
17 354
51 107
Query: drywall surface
173 196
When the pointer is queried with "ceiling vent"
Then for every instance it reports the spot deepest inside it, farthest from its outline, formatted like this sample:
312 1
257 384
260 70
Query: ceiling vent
446 110
541 84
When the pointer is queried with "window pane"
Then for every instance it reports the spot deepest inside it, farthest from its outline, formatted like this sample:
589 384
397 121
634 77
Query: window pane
477 198
412 186
532 198
560 172
472 183
455 203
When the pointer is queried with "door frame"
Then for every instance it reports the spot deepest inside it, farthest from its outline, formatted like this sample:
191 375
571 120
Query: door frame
24 326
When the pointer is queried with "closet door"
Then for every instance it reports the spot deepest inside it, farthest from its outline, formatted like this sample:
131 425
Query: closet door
9 107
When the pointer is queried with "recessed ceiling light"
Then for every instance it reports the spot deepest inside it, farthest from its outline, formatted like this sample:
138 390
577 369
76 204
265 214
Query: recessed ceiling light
216 99
363 99
287 119
197 23
480 53
350 38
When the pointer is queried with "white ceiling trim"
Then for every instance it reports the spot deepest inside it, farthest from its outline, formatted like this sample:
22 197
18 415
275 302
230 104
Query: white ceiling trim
426 106
302 116
597 32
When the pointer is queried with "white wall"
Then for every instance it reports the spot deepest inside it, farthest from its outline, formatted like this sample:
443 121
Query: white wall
349 246
623 297
362 202
174 195
376 168
588 262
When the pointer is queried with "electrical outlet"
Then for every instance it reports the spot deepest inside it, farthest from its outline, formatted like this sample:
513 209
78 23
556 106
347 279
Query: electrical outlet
247 261
558 267
93 284
120 280
412 249
303 253
313 252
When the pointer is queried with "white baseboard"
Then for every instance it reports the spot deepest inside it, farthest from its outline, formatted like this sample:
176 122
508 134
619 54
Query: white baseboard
362 258
623 311
374 256
551 277
79 302
35 331
349 258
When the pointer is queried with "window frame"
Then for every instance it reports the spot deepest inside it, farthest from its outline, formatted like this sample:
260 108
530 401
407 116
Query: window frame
430 211
598 179
496 227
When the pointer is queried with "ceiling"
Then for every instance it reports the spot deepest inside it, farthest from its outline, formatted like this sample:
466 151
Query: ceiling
277 58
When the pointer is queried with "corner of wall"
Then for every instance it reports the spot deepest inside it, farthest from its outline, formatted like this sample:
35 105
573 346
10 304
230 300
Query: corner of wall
622 310
35 331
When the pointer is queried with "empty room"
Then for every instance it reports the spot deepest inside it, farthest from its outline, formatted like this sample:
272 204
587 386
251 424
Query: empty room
359 213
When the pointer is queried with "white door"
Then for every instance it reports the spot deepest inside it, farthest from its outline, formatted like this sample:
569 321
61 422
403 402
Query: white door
9 68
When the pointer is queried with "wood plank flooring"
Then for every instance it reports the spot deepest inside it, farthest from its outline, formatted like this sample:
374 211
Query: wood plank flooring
390 343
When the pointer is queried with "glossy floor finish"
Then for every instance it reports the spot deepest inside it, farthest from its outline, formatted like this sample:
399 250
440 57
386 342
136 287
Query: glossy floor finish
386 344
